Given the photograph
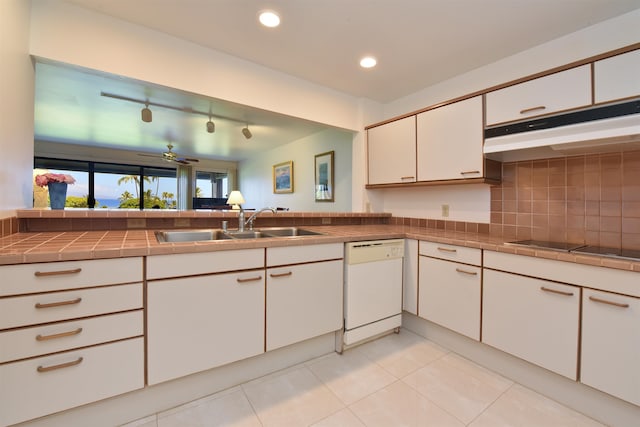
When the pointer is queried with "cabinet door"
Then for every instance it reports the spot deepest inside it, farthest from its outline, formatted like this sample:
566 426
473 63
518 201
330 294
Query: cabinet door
617 77
611 344
561 91
533 319
450 295
450 141
303 301
198 323
391 151
410 277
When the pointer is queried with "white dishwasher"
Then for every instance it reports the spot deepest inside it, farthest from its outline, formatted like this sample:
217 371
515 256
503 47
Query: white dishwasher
372 289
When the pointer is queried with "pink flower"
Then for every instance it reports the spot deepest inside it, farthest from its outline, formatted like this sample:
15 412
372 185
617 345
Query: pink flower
45 179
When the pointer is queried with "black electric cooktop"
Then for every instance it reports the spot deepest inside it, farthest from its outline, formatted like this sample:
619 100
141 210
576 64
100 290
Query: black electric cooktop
632 254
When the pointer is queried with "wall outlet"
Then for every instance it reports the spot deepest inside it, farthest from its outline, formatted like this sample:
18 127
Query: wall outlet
182 222
326 221
445 211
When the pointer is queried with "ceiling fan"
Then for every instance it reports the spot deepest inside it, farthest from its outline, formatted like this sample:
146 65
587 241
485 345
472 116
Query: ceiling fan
170 156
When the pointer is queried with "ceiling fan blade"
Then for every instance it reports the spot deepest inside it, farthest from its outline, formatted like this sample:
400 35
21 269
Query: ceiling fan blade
189 160
181 161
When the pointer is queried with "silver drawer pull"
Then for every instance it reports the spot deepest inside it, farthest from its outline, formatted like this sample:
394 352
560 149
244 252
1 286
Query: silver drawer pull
447 250
249 279
60 335
604 301
56 273
555 291
470 273
532 109
407 177
468 172
60 366
288 273
59 303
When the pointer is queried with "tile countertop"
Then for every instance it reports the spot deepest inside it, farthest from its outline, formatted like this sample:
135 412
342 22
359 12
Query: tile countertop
21 248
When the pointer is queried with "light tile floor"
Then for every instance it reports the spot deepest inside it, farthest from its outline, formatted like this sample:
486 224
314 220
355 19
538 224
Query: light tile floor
398 380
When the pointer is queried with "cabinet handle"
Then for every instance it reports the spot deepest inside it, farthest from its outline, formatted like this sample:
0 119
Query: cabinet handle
555 291
59 303
288 273
249 279
56 273
470 273
529 110
60 335
604 301
407 177
60 366
468 172
447 250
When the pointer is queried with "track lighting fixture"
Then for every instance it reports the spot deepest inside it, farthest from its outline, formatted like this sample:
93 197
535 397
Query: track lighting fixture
211 127
146 113
246 132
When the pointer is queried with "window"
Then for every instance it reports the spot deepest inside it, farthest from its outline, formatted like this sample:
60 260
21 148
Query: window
111 185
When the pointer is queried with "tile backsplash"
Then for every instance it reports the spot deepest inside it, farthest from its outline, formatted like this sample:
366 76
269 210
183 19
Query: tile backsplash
8 226
591 199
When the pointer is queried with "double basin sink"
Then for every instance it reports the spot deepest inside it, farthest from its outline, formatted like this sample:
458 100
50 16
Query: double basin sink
175 236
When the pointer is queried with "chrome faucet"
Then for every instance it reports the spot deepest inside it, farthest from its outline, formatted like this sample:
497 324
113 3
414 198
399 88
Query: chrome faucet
252 218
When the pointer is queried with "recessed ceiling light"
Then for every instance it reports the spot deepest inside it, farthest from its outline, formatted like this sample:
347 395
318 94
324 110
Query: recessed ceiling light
269 19
368 62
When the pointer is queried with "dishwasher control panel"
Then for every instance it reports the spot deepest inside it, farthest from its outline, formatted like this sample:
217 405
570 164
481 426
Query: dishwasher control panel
373 250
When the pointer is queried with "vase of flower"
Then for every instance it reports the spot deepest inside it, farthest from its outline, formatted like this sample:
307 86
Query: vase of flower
57 185
57 194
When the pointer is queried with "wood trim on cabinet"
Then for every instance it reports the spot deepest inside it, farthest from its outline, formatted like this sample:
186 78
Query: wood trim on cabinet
544 73
429 183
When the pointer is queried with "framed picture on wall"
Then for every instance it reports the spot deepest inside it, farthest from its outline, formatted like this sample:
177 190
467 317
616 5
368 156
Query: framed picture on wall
283 177
324 177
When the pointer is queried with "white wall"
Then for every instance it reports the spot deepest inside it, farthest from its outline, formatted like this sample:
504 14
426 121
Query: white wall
16 108
255 175
70 34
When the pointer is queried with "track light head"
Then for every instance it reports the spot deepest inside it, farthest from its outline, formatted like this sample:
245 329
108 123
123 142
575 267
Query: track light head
246 132
211 127
146 114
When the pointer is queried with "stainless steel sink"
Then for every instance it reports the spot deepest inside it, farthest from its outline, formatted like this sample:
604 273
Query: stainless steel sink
176 236
247 234
190 236
288 232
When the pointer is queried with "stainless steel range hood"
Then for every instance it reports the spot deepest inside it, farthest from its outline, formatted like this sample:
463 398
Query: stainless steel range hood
596 130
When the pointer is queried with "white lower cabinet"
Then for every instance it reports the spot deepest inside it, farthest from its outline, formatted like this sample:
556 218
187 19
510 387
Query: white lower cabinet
611 344
303 301
533 319
36 387
198 323
450 295
410 276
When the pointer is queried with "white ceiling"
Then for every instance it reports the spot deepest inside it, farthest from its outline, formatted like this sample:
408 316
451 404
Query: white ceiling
417 42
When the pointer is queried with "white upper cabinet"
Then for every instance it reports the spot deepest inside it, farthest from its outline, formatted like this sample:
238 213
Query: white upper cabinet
450 141
392 152
557 92
617 77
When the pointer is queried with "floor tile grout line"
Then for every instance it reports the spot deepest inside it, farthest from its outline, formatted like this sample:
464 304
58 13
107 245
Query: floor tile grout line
492 403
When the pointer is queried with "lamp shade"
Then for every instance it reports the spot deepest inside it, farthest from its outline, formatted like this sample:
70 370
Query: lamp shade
235 198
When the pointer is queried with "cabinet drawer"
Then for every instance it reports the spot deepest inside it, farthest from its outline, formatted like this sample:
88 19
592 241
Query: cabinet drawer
451 252
39 340
176 265
300 254
617 77
69 379
52 276
43 308
561 91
